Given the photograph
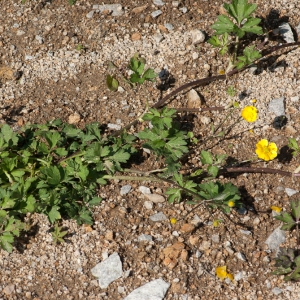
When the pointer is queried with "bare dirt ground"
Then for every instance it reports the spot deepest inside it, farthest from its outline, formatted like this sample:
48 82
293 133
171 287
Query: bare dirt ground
44 76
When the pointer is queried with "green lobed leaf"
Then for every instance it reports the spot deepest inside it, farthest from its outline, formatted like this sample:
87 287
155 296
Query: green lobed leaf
150 74
286 218
214 41
9 136
251 26
148 135
95 201
206 157
61 152
6 240
52 138
174 194
240 9
135 78
54 214
53 174
213 171
223 24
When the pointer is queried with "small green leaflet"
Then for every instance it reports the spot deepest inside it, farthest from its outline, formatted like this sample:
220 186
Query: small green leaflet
112 83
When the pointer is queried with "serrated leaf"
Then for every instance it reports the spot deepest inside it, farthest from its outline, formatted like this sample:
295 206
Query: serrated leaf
120 156
174 194
251 26
83 173
52 138
240 10
197 173
95 201
85 217
9 135
224 24
54 214
71 131
286 218
281 271
206 157
61 152
213 171
214 41
148 135
150 74
6 241
53 175
177 142
135 78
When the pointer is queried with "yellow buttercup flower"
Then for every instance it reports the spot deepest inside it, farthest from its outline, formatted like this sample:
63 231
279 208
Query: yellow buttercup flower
231 203
265 150
249 113
173 221
276 209
216 223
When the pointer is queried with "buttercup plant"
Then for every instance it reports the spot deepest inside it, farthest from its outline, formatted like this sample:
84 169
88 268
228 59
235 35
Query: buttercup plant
57 169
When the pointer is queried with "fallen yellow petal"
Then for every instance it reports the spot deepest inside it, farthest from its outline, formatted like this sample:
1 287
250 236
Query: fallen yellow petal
276 209
221 272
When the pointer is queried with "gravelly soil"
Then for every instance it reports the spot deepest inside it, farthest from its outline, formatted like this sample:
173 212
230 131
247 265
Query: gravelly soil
44 77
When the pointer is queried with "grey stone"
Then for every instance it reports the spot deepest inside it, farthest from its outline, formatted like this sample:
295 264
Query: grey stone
144 190
286 32
198 36
276 238
158 217
290 192
240 256
108 270
39 39
155 198
158 37
158 2
90 14
20 32
153 290
28 57
194 100
145 238
156 13
215 238
183 9
114 126
277 106
125 189
148 204
247 232
276 291
238 276
169 26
